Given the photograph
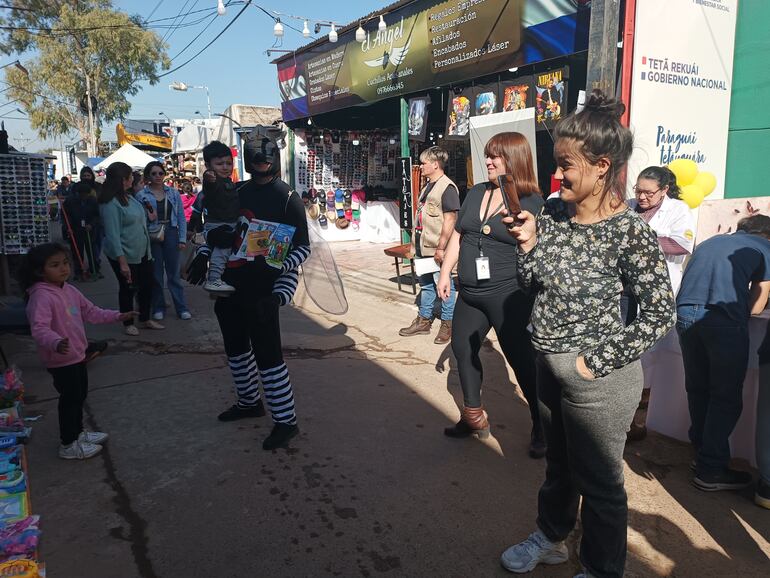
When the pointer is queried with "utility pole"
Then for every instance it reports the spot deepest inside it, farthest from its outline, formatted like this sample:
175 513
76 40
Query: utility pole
603 46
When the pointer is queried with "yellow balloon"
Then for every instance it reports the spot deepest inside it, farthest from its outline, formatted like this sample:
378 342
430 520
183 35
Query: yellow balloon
685 171
706 181
693 195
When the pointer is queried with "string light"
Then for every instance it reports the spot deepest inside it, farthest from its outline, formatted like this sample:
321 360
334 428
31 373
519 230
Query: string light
306 30
382 27
360 33
221 10
333 34
278 28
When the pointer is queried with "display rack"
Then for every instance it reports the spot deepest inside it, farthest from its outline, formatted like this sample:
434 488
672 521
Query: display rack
23 203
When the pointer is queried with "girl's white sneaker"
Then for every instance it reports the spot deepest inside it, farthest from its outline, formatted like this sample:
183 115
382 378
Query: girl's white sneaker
79 450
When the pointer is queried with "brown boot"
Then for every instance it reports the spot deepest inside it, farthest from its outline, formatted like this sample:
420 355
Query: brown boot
419 326
473 420
444 332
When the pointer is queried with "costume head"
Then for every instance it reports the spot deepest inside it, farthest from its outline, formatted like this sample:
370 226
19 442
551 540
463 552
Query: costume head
259 150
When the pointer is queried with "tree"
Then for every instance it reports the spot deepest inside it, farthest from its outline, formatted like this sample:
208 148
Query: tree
81 47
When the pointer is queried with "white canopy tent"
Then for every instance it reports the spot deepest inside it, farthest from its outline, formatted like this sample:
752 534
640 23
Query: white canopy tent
191 138
128 154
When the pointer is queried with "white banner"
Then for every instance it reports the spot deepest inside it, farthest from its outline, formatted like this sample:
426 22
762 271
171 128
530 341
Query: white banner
682 79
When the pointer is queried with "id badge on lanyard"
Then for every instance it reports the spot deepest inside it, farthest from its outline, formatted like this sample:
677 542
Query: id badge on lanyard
483 269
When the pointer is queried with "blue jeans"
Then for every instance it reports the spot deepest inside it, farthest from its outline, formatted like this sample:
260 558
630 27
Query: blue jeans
428 298
165 256
715 350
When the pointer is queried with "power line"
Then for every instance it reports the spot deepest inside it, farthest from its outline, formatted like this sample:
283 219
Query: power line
189 60
153 11
170 31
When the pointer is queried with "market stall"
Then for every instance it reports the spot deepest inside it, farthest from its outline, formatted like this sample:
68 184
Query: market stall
382 93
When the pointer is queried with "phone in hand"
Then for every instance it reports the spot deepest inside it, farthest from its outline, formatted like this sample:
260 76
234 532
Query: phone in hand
510 195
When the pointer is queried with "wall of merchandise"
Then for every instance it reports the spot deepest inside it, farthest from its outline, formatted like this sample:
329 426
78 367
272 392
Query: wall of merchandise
23 203
326 159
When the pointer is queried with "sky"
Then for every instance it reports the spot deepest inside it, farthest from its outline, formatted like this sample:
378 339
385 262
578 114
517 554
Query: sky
235 68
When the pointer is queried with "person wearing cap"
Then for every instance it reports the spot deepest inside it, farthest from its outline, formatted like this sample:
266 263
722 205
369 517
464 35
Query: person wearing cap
249 318
439 203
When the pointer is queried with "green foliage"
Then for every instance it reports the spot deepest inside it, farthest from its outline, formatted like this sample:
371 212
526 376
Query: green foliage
78 45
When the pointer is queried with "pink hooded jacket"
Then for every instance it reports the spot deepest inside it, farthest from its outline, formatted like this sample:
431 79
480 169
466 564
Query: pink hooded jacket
55 313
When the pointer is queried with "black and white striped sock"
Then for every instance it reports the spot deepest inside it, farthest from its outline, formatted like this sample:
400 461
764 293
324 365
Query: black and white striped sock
278 394
246 378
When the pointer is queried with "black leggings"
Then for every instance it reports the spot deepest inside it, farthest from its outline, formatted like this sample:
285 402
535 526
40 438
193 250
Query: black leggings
142 278
251 324
71 381
509 314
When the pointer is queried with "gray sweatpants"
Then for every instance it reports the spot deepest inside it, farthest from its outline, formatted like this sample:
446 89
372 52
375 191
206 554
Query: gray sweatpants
219 257
585 423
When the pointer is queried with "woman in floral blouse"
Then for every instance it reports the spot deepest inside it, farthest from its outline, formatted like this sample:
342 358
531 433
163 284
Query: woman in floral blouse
576 255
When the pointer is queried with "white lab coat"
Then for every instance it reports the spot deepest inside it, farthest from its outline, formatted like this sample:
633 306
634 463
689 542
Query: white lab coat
674 220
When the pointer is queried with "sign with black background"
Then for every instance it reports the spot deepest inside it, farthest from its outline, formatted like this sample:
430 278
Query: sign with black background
405 196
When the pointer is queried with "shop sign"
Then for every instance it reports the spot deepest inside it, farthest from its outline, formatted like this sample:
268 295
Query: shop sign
428 44
405 196
682 79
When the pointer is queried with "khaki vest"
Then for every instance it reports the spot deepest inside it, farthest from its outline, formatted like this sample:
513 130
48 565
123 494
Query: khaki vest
433 217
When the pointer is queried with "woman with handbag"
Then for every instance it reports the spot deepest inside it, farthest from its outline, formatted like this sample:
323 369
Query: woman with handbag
127 245
167 226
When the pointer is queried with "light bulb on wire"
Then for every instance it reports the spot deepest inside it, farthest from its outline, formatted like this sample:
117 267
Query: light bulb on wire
278 28
333 34
221 10
360 33
382 27
306 30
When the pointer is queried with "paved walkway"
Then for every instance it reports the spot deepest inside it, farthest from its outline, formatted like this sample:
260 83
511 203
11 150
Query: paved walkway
371 487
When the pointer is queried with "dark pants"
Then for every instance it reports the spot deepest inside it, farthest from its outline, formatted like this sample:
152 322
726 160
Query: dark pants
509 315
71 381
715 351
585 424
141 286
251 324
77 243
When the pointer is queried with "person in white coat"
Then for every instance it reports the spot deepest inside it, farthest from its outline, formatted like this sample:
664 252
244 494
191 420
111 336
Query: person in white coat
657 202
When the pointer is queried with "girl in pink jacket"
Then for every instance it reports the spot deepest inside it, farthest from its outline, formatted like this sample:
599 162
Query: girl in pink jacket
56 311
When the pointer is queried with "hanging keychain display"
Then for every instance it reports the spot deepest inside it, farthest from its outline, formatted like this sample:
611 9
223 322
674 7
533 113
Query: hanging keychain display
483 270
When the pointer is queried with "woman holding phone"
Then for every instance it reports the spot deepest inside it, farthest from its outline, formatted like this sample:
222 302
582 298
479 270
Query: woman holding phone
489 294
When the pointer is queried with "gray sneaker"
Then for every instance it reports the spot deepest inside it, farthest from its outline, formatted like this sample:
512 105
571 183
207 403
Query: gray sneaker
537 549
79 450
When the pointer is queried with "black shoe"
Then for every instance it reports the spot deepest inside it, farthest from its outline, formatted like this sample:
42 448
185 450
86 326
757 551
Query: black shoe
725 480
762 494
537 445
280 436
236 412
95 349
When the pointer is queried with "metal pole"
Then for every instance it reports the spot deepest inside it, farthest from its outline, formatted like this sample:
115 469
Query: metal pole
208 100
603 46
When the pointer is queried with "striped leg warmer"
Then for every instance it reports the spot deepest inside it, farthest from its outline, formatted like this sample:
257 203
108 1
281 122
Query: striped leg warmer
246 378
278 394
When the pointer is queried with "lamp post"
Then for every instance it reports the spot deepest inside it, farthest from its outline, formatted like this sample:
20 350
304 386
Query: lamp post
184 87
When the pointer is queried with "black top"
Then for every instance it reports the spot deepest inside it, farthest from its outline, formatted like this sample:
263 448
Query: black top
220 201
273 202
578 271
162 205
499 246
82 211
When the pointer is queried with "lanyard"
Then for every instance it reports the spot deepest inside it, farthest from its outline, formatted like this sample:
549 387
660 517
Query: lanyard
485 221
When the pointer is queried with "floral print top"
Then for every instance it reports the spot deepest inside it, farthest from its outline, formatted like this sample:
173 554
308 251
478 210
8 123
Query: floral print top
578 272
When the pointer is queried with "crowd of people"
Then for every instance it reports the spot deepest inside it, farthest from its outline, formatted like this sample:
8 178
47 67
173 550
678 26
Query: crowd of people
579 287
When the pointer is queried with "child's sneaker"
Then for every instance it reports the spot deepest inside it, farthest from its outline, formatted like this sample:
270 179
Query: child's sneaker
131 330
537 549
218 286
78 450
150 324
92 437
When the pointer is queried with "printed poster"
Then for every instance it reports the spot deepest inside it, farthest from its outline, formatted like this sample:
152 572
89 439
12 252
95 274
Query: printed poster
550 98
418 118
459 114
485 100
682 80
517 94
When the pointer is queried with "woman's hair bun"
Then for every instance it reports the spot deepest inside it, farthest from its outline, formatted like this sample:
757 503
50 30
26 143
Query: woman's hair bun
601 103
